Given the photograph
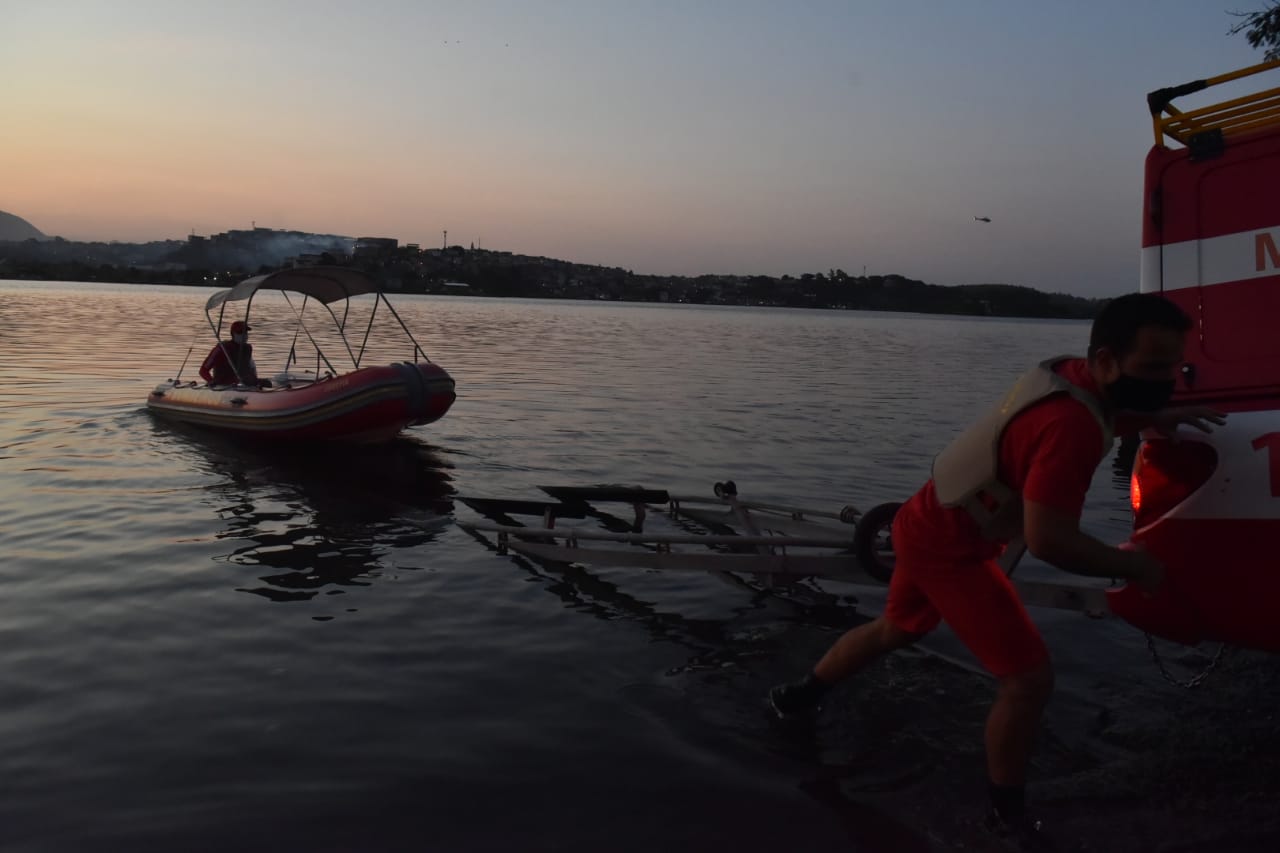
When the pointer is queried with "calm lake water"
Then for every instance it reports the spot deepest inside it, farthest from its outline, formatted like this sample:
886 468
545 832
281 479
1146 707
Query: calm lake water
209 647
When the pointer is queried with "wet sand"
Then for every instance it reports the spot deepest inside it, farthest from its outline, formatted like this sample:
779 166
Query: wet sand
1126 761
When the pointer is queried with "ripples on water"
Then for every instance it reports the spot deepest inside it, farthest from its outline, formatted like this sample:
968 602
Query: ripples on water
206 646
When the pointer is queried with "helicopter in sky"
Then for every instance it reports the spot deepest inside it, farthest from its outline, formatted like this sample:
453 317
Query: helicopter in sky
982 218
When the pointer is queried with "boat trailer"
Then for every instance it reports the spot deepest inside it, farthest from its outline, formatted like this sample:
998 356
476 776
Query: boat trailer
775 544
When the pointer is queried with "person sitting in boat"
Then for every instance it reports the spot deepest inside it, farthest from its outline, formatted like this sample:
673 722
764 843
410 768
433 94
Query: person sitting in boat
231 362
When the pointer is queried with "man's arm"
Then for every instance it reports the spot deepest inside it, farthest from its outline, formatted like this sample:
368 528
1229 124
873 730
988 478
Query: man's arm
1167 421
1056 538
206 369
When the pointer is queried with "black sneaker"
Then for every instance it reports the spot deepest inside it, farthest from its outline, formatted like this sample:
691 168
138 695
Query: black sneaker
1019 833
791 703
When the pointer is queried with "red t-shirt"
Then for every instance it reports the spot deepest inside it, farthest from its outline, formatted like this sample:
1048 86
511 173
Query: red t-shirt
217 369
1048 453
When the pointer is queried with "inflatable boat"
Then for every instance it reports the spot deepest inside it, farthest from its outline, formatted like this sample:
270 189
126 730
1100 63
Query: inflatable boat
362 404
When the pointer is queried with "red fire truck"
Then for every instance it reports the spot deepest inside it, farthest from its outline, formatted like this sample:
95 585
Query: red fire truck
1209 505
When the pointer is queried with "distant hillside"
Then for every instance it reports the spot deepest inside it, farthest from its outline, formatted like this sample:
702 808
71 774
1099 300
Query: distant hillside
16 228
226 258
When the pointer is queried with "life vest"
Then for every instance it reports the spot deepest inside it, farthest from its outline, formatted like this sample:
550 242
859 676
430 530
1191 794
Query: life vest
965 473
243 361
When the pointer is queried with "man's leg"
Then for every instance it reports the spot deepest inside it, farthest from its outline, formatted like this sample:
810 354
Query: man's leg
908 616
981 606
1014 722
859 647
1011 732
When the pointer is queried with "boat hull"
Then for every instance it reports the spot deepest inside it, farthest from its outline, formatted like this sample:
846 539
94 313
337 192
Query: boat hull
1222 572
1221 584
371 404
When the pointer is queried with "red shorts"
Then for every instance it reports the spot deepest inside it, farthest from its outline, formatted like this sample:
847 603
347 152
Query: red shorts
976 599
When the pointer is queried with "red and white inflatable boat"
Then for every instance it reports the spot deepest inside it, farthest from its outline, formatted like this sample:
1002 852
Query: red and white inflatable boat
1209 505
363 404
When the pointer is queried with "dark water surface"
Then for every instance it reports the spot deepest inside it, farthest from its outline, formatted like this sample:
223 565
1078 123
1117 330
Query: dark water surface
212 647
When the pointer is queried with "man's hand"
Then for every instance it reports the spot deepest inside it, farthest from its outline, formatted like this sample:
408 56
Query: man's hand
1057 539
1167 421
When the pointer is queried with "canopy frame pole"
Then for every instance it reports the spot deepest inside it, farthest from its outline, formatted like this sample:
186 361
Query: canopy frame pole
417 350
292 357
319 353
369 328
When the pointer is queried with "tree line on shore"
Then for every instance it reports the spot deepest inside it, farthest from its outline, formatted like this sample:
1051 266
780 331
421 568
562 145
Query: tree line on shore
480 272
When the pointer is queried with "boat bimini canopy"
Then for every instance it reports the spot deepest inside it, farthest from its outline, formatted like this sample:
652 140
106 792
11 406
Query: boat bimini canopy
324 284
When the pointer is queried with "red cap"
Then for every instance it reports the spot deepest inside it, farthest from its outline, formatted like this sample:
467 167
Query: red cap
239 327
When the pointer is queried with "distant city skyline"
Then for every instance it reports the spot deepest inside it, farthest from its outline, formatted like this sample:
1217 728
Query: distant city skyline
670 138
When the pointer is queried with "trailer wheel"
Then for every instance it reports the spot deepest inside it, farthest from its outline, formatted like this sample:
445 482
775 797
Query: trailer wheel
727 489
873 541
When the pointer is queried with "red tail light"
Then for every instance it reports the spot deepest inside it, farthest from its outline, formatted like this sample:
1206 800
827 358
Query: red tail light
1166 473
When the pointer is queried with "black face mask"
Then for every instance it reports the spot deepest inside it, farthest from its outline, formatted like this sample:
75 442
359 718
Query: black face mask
1140 395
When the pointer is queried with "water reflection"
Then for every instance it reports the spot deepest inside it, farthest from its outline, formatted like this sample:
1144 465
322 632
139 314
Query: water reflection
1122 463
321 518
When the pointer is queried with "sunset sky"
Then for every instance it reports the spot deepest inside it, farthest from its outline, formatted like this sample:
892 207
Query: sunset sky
704 136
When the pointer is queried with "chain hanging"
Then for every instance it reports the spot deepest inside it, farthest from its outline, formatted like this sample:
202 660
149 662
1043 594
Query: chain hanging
1194 681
